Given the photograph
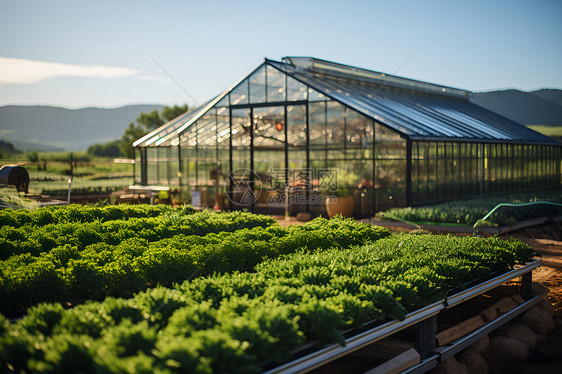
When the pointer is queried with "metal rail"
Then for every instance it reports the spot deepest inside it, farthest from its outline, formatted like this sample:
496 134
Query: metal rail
333 352
446 352
468 294
451 350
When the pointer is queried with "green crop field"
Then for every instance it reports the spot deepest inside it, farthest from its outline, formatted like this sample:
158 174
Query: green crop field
163 289
469 211
552 131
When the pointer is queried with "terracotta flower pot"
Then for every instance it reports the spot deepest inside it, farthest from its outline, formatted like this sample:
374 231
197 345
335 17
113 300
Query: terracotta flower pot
339 205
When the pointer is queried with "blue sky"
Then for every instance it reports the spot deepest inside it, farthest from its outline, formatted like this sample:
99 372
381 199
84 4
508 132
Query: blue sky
97 53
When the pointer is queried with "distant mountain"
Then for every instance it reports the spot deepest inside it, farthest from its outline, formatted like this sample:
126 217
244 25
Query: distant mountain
552 95
540 107
46 128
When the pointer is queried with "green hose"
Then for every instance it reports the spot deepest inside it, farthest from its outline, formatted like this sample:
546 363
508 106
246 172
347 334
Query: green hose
512 205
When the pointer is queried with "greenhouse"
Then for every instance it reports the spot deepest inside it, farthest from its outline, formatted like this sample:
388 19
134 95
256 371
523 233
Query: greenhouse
309 135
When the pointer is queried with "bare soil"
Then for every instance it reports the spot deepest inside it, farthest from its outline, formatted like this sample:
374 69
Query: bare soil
547 242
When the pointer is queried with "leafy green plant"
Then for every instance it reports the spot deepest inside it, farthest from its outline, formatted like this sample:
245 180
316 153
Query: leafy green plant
72 262
238 321
469 211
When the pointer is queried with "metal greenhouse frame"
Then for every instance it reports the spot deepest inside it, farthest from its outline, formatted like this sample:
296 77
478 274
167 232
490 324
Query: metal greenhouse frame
297 134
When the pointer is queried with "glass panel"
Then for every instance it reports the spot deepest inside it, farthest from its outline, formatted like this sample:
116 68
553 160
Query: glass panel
419 172
390 183
317 123
225 101
383 133
300 177
223 128
275 85
295 90
189 136
296 130
137 167
318 159
269 128
335 129
358 134
152 166
269 156
314 95
257 86
240 94
241 128
185 174
207 130
162 171
240 181
173 161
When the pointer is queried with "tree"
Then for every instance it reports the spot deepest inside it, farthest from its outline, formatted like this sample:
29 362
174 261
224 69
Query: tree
110 149
9 147
171 112
132 133
150 121
33 156
147 122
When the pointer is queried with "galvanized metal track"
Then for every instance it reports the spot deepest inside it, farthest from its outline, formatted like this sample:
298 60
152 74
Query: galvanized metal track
479 289
446 352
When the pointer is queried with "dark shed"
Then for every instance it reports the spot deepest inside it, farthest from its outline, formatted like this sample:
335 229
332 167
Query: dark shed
15 175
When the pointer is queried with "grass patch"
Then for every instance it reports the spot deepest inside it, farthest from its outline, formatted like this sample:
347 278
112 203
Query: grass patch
554 132
12 199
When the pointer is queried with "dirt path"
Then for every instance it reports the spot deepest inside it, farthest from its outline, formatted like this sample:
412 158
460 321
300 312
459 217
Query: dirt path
550 272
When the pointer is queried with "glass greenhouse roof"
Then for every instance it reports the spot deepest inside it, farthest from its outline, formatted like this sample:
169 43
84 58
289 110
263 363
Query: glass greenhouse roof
417 110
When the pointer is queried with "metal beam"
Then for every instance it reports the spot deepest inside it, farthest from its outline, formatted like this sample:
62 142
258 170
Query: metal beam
451 350
335 351
425 339
483 287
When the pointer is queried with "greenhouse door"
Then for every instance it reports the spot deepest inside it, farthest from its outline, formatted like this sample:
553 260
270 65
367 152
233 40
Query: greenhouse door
269 158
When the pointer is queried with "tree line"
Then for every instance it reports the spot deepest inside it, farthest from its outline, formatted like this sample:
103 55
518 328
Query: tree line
145 123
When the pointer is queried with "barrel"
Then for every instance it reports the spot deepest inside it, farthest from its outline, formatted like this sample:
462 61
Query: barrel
16 176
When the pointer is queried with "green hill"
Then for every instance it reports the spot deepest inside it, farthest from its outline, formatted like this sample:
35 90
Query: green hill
46 128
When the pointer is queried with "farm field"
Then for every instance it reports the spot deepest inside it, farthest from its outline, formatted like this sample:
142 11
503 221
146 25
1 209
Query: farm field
49 173
140 288
552 131
470 211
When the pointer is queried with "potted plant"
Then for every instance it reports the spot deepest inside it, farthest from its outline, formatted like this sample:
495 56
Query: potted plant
339 195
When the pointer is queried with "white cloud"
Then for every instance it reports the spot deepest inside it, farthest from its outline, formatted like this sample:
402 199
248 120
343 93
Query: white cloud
22 71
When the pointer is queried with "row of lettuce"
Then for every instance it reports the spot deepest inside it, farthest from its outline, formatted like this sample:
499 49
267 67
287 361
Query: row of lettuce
81 213
72 262
471 211
251 297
